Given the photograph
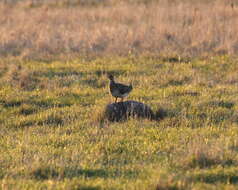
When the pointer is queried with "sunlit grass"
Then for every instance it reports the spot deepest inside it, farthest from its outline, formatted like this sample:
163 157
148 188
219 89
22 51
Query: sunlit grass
51 137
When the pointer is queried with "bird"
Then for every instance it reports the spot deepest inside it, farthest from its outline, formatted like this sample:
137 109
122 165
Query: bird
118 90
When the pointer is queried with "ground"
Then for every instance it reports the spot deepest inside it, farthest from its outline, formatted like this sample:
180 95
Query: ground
52 137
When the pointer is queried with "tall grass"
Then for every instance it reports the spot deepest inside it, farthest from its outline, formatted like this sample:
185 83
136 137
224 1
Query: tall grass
36 29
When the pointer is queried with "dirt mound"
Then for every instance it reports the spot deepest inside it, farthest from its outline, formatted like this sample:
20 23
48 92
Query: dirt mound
123 110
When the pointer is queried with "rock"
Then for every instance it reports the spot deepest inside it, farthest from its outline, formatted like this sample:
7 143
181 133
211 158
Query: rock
123 110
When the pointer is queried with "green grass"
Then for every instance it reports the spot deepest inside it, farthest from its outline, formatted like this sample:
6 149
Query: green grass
51 136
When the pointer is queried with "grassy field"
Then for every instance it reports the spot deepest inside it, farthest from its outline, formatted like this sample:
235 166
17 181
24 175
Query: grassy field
179 55
51 137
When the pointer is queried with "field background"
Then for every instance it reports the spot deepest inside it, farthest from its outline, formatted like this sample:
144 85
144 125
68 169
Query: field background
180 56
41 28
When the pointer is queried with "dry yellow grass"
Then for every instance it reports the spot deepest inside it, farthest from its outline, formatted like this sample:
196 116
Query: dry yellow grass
184 28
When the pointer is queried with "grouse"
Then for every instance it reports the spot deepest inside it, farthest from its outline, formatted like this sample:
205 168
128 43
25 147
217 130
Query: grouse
118 90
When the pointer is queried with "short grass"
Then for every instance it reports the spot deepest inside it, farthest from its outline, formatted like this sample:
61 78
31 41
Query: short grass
51 137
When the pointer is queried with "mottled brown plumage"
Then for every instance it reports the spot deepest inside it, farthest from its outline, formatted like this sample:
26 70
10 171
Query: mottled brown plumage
118 90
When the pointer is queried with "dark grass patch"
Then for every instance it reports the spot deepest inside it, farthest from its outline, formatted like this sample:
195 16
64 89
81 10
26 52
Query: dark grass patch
188 93
52 74
82 187
216 111
47 172
173 82
202 116
175 59
37 101
102 173
178 82
172 112
43 103
27 110
220 115
52 120
49 103
234 148
44 173
94 82
222 103
23 124
89 173
166 187
217 178
1 173
228 162
12 103
160 114
202 161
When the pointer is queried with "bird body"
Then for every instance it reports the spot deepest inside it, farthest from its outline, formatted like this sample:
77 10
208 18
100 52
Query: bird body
118 90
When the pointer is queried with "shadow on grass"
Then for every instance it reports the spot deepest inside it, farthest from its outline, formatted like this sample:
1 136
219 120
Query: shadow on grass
188 93
178 82
88 188
206 161
27 111
52 120
51 74
223 104
1 174
40 103
166 187
49 103
94 83
45 173
221 115
175 59
217 178
9 104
